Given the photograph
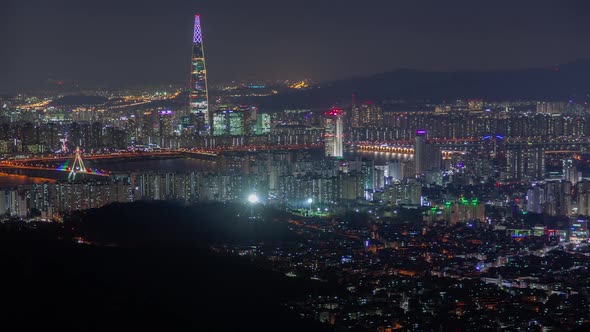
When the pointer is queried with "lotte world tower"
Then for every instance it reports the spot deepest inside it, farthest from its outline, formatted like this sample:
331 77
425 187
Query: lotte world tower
199 99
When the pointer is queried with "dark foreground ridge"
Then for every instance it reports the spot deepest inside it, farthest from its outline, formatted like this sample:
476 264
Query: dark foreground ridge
137 283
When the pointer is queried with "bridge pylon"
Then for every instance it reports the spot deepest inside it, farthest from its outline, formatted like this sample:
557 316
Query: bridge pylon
79 163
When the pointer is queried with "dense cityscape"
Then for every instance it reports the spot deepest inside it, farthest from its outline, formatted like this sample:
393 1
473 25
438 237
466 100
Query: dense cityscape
413 214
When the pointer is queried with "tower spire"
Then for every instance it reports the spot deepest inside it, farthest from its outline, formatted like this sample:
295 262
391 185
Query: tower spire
199 97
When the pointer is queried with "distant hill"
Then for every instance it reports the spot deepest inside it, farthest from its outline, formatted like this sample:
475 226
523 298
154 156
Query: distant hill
79 100
560 82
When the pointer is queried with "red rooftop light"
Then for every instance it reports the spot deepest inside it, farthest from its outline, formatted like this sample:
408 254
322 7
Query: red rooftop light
335 112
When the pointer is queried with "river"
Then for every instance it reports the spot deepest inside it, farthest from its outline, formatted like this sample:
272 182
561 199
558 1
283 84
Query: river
178 165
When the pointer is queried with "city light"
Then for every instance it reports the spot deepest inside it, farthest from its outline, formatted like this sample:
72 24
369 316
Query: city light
253 199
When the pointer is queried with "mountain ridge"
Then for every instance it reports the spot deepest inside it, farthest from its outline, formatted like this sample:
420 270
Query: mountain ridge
560 82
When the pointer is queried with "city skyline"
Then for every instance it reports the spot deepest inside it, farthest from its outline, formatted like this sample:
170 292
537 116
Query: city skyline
409 201
295 41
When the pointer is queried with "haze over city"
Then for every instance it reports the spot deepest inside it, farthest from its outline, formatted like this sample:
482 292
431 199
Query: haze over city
123 43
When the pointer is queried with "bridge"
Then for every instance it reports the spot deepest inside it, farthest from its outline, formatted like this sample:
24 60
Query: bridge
402 148
372 147
70 168
558 145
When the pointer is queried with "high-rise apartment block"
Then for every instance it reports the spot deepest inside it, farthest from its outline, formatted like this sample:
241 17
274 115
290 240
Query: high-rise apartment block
333 126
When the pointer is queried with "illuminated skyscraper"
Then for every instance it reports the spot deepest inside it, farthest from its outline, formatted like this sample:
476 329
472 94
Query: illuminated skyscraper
263 124
583 199
570 171
333 133
229 122
558 198
367 114
427 157
551 107
166 127
475 104
199 103
420 151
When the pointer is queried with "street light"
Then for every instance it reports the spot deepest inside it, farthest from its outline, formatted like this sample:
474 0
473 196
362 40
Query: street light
253 199
309 201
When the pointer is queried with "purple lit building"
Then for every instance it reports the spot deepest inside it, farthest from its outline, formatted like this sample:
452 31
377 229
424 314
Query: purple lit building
199 98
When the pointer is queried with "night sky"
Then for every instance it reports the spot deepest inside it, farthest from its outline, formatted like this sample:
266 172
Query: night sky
129 42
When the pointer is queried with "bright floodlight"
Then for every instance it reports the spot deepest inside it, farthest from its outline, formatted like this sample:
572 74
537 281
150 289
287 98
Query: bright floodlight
309 200
253 198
